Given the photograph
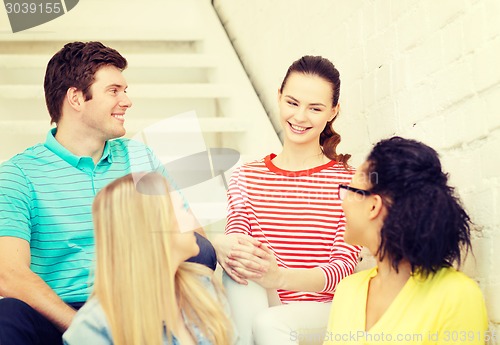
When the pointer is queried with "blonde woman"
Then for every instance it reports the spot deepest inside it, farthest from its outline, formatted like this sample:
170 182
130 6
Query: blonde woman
144 292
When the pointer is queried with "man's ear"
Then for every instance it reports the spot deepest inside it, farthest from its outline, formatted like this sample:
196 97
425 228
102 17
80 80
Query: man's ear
377 207
75 98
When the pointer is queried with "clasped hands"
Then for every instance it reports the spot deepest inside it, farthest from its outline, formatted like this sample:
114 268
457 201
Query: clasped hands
244 258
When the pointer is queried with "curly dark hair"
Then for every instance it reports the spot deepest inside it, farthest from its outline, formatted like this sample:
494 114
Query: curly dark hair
75 65
323 68
426 224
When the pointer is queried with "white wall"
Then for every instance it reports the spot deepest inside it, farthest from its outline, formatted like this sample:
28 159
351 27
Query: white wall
420 69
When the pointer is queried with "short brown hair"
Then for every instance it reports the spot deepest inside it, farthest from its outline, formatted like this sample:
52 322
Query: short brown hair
75 65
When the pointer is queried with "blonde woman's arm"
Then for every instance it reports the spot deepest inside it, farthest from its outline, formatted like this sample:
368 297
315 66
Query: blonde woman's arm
89 326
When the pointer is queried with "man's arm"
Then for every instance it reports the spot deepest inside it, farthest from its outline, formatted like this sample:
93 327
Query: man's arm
18 281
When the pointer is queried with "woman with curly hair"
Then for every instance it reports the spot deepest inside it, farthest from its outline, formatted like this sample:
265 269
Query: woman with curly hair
401 208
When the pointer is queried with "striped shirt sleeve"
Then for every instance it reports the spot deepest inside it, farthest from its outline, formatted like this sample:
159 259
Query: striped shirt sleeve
298 216
343 259
15 205
237 216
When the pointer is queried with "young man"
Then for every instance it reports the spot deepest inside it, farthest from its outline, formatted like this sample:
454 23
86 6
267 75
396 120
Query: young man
46 193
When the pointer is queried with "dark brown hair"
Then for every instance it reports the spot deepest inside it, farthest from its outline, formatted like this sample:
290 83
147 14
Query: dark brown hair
426 224
75 65
323 68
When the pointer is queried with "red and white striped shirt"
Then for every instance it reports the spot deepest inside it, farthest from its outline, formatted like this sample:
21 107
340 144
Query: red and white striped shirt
298 215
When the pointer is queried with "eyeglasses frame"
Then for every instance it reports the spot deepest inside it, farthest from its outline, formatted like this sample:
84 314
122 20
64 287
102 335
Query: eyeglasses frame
359 191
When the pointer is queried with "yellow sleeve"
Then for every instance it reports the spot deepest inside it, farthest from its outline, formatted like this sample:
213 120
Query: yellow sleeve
464 319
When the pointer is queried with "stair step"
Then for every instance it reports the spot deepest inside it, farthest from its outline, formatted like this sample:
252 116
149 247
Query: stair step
209 124
119 21
148 91
180 60
80 34
159 68
135 60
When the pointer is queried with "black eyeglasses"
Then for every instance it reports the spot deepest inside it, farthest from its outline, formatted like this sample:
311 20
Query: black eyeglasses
344 188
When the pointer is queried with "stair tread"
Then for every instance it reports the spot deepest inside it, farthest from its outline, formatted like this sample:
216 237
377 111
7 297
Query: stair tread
175 53
135 60
208 124
20 91
7 36
120 21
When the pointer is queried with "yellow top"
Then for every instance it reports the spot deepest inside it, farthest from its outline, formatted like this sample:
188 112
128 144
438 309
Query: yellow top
446 308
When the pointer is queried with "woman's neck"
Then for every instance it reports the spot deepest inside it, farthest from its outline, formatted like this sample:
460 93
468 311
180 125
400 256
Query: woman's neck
387 273
295 158
383 290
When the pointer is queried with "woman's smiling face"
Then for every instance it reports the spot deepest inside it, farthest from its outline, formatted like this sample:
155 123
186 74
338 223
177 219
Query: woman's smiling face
305 105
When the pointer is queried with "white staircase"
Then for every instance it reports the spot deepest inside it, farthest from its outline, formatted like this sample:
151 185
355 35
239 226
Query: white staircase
180 60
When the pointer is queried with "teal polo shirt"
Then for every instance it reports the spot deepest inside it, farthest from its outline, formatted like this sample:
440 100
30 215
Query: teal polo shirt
46 196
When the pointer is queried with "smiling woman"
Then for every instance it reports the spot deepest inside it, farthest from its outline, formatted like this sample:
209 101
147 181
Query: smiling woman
305 108
308 99
284 243
415 226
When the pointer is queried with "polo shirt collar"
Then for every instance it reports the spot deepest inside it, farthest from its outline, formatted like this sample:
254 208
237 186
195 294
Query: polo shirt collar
53 145
107 154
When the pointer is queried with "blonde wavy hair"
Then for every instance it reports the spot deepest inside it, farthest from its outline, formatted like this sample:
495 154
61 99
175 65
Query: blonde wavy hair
134 278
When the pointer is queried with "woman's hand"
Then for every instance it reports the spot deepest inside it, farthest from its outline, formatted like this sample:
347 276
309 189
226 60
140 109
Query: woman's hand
258 264
248 263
